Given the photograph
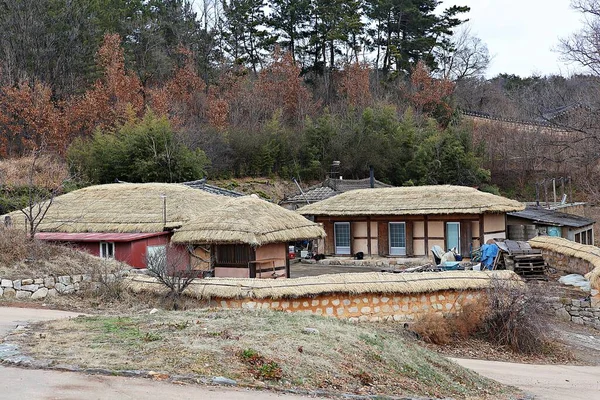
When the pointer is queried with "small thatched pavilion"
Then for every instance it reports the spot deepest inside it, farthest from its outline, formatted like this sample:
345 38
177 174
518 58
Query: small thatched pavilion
125 221
407 221
246 237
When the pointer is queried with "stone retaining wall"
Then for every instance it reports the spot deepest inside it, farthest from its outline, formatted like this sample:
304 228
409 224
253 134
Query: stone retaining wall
40 288
364 307
581 312
566 263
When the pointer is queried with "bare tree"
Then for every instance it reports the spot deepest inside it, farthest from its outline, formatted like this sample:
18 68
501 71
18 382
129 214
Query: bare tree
467 56
172 267
583 47
40 197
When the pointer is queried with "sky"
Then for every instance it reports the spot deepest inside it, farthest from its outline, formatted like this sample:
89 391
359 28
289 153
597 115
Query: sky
520 34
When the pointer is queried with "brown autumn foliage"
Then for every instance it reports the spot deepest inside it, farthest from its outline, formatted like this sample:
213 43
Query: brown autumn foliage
354 85
279 85
183 95
427 94
112 98
32 119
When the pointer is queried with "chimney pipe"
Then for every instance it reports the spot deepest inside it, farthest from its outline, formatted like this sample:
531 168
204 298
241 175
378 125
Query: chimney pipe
372 176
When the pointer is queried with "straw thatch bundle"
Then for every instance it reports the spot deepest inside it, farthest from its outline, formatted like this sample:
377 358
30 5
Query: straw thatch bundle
353 283
569 248
248 220
417 200
123 207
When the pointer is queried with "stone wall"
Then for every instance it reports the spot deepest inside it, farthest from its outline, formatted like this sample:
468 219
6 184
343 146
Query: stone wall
364 307
40 288
566 263
581 312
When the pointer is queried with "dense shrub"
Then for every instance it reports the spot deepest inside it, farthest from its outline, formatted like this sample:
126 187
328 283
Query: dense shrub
139 151
508 316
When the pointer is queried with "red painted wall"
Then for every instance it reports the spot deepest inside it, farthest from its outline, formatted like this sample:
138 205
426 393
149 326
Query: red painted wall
135 254
132 253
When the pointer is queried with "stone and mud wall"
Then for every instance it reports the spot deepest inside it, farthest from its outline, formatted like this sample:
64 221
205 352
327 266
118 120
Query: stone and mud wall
373 307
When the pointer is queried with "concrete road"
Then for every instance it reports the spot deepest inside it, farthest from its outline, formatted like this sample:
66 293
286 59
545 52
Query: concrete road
547 382
11 317
17 383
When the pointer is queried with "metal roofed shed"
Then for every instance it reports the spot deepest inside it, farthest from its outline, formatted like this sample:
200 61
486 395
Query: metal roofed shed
535 221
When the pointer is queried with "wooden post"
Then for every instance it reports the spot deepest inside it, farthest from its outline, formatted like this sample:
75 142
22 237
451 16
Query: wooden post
426 234
481 230
369 235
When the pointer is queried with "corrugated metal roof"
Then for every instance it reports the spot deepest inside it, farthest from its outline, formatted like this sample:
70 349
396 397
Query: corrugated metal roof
551 217
95 237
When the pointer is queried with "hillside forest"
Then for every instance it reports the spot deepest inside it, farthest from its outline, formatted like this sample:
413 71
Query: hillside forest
170 90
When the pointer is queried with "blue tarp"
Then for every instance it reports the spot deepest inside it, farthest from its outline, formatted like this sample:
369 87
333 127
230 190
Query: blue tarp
488 254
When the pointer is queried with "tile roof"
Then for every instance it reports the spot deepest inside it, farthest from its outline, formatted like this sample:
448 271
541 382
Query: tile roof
202 185
331 187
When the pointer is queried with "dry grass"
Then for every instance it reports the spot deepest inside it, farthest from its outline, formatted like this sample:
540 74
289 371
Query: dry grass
444 329
49 172
22 258
124 207
354 283
345 357
510 317
248 220
569 248
418 200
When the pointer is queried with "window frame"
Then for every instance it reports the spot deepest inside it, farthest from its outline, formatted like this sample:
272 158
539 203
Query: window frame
104 247
342 250
401 250
448 247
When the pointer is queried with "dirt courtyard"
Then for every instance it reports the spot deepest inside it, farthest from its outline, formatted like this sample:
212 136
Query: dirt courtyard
298 269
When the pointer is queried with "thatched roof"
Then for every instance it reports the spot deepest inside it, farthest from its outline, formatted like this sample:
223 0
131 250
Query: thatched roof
353 283
248 220
123 207
567 247
416 200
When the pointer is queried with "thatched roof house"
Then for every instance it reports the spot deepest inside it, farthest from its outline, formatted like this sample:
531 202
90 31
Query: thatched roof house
409 220
248 220
247 231
414 200
122 220
124 208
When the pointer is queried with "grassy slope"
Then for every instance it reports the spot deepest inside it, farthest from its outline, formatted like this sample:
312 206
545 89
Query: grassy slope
273 189
22 258
345 357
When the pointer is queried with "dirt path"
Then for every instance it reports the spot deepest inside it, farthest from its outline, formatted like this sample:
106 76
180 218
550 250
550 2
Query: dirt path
547 382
